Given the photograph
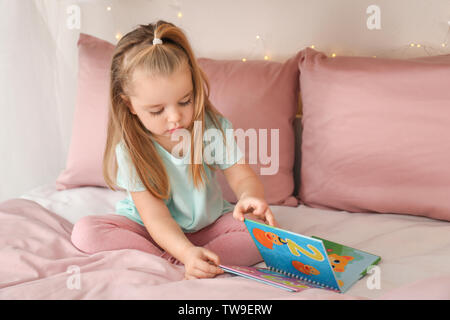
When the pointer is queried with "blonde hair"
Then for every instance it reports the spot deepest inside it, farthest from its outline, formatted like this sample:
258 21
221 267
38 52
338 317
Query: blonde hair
136 50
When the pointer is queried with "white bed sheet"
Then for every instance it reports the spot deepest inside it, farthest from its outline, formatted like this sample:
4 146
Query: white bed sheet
412 248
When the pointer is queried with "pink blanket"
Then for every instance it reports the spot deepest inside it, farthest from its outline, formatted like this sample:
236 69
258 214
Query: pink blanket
38 261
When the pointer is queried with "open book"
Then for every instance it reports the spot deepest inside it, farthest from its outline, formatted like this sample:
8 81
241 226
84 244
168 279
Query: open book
296 262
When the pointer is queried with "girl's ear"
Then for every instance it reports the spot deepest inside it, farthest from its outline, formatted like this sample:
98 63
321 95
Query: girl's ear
128 103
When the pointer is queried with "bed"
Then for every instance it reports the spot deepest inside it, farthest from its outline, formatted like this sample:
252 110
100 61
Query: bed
39 261
360 175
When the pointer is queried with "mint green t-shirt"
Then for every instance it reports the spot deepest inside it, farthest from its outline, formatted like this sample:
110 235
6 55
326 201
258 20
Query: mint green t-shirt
192 209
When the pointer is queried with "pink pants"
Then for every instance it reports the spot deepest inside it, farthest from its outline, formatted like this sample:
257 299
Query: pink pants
227 237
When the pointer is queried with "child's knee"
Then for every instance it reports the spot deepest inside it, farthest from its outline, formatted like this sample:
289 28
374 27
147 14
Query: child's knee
84 233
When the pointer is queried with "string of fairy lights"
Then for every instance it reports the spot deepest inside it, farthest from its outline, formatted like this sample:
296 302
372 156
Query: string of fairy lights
259 49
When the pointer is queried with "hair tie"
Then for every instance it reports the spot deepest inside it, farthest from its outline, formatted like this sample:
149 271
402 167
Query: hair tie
157 41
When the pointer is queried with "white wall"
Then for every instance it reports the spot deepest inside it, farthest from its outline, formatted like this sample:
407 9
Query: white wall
38 55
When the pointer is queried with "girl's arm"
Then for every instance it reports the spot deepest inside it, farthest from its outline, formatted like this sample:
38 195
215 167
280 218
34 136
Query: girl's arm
168 235
160 225
249 191
243 181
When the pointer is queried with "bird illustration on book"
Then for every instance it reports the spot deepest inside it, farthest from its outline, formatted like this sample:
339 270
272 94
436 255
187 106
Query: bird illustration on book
267 239
304 268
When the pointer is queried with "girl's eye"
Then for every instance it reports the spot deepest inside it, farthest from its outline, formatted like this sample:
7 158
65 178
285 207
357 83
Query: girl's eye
157 112
185 103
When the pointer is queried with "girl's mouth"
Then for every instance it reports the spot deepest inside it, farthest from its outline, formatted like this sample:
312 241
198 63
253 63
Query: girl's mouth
173 130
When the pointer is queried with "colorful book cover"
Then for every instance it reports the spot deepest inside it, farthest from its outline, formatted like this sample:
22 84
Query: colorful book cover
315 262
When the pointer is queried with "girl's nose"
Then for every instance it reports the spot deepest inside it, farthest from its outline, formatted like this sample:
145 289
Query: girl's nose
174 114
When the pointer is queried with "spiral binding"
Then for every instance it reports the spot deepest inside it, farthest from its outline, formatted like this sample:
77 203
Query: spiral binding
292 275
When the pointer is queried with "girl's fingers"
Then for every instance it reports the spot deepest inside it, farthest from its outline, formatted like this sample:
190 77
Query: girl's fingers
270 218
261 208
202 274
209 268
261 211
237 213
267 217
199 273
212 256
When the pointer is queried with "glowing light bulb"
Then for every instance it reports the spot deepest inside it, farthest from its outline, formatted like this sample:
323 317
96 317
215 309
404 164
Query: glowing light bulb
418 46
266 57
333 55
412 45
118 35
108 8
243 59
258 37
443 45
180 15
312 46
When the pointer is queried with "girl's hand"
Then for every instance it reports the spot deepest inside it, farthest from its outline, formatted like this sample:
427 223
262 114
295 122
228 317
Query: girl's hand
257 207
201 263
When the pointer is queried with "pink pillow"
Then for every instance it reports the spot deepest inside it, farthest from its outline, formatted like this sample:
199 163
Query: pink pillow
376 134
259 95
254 94
84 161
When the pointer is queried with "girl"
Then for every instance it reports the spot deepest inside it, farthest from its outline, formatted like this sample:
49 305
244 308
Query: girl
174 206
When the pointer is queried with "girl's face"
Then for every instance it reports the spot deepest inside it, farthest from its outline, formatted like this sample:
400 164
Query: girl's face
163 103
